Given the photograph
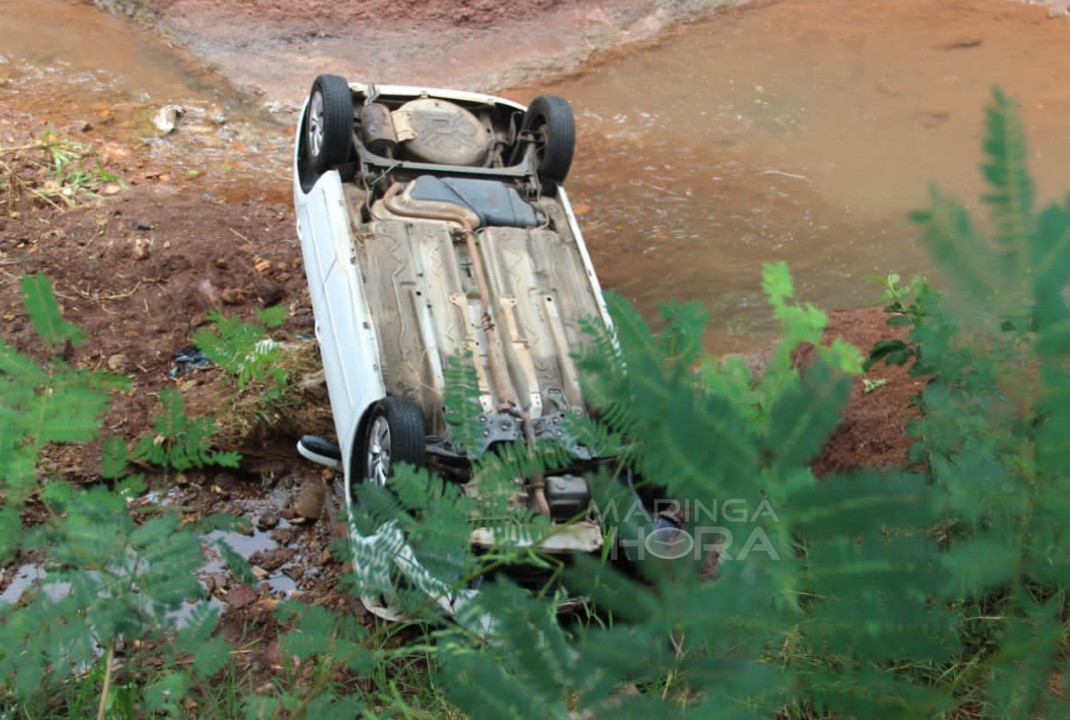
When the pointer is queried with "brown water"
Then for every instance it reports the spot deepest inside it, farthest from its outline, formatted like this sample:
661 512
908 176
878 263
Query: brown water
805 132
44 41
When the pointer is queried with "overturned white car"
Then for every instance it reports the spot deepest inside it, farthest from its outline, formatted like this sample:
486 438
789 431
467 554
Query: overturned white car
433 227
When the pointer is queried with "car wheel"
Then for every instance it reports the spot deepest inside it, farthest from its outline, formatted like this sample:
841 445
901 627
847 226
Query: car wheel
550 119
395 433
328 123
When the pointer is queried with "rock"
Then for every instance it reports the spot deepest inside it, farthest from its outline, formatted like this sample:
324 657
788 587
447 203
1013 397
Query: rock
310 503
118 363
233 296
166 118
267 521
271 560
215 584
241 596
208 293
142 249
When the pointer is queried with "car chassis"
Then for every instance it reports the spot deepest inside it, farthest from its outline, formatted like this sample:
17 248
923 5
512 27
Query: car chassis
434 229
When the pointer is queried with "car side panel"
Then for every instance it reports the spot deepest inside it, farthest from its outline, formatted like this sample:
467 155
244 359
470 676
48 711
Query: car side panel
344 327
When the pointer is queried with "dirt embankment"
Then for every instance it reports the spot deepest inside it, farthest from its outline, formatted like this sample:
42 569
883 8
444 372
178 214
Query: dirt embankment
272 48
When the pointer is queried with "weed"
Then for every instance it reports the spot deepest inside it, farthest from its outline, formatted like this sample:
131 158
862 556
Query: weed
244 349
179 441
262 382
53 170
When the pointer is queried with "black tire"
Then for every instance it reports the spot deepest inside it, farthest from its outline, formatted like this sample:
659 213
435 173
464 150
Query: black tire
328 133
394 433
550 119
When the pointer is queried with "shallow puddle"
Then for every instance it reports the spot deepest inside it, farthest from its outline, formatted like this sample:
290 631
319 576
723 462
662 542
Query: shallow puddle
256 540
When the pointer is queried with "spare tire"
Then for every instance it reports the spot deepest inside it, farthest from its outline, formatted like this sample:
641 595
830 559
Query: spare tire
549 118
328 135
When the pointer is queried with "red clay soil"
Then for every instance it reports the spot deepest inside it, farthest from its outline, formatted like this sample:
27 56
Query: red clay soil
873 430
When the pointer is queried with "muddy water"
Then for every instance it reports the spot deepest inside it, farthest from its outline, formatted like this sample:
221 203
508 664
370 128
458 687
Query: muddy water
89 46
805 132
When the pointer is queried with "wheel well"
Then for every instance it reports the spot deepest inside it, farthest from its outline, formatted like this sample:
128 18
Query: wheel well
356 448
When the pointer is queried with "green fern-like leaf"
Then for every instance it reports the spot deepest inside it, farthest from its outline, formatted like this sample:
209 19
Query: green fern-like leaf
181 442
43 310
1011 198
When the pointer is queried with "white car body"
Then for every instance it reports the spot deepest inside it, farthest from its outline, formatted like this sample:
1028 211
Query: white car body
397 295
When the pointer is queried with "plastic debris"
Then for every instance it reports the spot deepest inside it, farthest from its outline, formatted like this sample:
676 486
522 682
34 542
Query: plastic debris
188 359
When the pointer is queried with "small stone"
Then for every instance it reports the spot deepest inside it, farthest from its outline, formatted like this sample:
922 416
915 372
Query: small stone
241 596
142 249
267 521
311 501
208 293
118 363
166 118
233 296
271 560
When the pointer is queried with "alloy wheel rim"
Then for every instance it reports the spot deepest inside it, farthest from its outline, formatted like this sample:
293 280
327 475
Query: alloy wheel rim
379 451
315 124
